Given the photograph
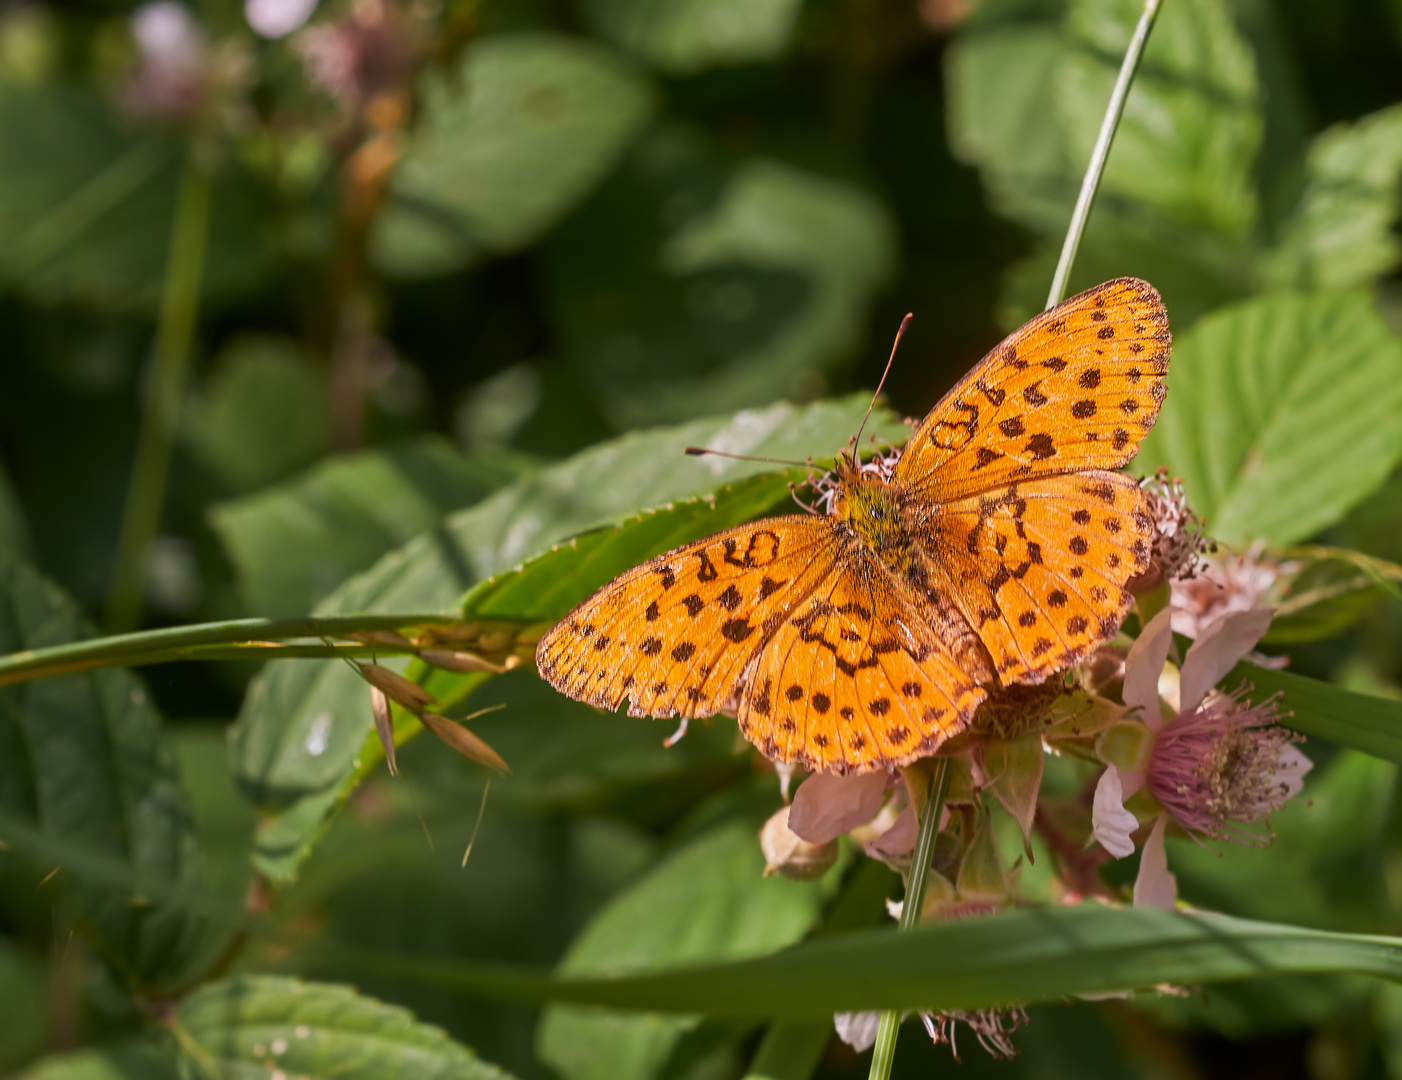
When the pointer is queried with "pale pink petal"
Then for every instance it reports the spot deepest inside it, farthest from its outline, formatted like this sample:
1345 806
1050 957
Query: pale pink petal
898 840
1291 772
857 1029
827 805
1113 824
1218 651
1146 659
1155 886
1131 782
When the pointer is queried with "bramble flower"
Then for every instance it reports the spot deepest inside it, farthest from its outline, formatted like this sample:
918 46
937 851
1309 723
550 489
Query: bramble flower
179 75
277 18
1214 767
1178 535
368 52
1226 583
169 80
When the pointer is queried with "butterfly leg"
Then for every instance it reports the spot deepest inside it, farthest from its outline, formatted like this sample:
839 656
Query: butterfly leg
676 736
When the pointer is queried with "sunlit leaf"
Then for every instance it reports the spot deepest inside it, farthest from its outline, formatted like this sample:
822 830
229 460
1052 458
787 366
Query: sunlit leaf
1282 413
523 128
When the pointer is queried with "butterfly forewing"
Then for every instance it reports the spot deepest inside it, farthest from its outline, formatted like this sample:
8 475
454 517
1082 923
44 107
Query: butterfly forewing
854 678
1076 388
1041 566
674 635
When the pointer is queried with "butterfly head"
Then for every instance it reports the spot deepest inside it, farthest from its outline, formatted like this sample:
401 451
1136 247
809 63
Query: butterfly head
871 507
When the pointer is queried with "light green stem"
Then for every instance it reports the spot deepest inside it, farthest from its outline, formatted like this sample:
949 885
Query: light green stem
165 389
206 641
1101 153
883 1054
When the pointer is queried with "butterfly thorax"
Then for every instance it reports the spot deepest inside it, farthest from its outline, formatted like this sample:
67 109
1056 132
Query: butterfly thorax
872 509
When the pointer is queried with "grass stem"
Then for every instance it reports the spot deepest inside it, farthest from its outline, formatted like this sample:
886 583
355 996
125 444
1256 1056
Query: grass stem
936 772
1101 153
165 392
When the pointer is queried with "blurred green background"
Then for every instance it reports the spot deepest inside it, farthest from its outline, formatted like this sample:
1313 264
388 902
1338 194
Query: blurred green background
453 244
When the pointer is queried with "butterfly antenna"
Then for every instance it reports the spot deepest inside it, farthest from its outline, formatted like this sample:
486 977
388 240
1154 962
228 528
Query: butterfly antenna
698 451
894 345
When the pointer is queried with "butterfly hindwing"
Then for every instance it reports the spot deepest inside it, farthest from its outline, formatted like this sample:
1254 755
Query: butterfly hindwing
1041 566
674 635
854 678
1077 388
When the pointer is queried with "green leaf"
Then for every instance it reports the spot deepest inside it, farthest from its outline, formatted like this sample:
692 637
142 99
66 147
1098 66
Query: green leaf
664 920
1018 956
23 1011
1329 590
1001 74
263 1024
691 286
685 36
1027 89
1282 413
1323 711
566 756
1340 232
83 760
293 544
86 207
507 143
1191 129
125 1061
263 412
14 529
303 725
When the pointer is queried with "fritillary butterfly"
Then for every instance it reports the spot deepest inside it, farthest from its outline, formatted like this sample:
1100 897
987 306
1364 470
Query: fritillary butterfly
993 550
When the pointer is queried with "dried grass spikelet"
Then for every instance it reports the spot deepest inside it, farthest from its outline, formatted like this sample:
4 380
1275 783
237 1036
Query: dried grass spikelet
465 742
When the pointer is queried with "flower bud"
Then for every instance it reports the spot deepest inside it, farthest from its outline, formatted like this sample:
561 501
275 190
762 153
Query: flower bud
791 855
1178 536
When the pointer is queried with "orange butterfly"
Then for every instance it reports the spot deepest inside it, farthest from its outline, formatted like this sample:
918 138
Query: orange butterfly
993 550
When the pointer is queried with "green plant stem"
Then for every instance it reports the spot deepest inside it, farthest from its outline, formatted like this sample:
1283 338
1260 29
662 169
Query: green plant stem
883 1054
165 389
235 637
1101 153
